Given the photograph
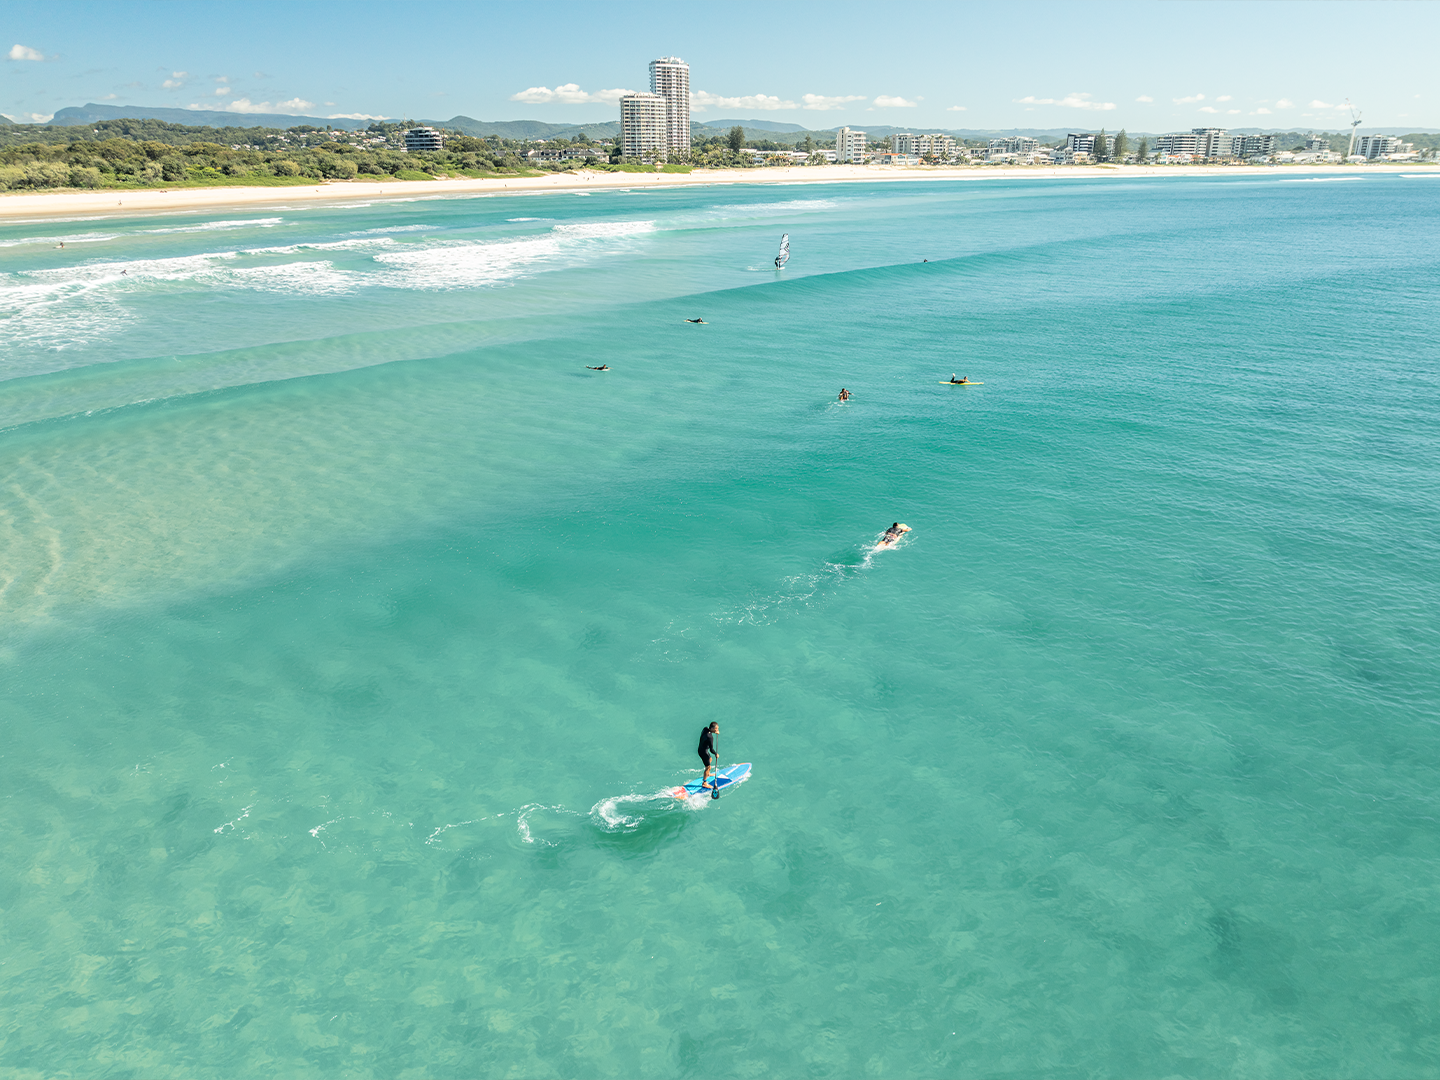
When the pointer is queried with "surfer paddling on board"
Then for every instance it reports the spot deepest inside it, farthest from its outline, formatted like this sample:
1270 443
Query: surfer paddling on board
960 381
700 321
602 367
707 751
893 534
844 394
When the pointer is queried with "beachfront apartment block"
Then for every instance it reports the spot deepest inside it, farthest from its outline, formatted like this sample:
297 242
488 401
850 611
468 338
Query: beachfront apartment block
849 147
923 146
1253 146
1083 142
1019 144
670 78
644 124
424 138
1374 146
1316 142
1212 144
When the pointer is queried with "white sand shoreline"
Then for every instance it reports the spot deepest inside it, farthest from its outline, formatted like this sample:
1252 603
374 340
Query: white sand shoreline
16 207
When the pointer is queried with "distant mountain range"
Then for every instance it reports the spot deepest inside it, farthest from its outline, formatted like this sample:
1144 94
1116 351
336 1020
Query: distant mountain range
539 129
93 113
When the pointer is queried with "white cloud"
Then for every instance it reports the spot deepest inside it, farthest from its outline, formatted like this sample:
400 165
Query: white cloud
888 101
173 84
1284 103
1145 98
352 116
568 94
28 118
1224 97
1209 109
110 97
1324 105
1232 112
222 78
222 91
24 52
292 107
703 99
956 108
1261 112
1069 101
1188 100
823 104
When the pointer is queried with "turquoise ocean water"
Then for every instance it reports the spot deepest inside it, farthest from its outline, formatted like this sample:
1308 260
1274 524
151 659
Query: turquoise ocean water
348 626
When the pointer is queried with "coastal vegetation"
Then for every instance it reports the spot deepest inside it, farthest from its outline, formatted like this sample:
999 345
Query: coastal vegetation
152 153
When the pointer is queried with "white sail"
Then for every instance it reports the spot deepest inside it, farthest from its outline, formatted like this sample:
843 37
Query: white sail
784 256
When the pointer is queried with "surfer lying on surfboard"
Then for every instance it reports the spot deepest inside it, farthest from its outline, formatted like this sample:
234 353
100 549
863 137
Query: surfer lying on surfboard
961 381
602 367
700 321
893 534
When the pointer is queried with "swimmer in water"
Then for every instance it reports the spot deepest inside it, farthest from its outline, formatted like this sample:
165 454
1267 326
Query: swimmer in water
702 322
844 394
602 367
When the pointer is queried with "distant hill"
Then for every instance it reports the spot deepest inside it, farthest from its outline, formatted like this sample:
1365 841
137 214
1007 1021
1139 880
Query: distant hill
758 125
524 129
93 113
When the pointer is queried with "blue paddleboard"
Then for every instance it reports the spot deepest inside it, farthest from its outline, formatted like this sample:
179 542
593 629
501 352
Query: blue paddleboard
723 779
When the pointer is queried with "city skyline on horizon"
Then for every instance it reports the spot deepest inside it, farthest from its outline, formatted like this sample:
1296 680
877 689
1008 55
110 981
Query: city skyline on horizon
129 53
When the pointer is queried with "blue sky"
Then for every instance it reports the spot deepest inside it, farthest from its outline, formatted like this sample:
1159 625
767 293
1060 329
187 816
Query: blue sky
1142 66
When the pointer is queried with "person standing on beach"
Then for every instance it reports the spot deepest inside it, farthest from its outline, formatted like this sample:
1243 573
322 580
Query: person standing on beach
708 754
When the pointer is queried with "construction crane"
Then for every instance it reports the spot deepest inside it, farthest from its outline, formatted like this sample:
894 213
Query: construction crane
1354 123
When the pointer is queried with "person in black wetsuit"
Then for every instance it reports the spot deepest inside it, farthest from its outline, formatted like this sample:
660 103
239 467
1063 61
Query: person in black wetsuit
708 754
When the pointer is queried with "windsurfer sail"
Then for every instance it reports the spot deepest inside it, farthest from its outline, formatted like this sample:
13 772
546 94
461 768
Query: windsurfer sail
784 256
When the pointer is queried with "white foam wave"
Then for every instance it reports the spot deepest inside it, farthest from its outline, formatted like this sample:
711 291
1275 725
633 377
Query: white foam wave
212 226
1319 179
1420 175
593 229
526 219
398 229
63 307
792 205
53 241
463 266
357 244
312 278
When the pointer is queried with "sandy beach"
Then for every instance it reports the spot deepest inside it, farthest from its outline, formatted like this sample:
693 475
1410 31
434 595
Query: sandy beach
159 200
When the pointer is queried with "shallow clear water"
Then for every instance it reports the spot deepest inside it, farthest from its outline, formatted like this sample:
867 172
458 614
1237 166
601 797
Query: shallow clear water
350 627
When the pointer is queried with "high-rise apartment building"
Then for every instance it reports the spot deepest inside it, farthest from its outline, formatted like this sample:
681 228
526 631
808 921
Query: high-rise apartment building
644 124
849 147
670 78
